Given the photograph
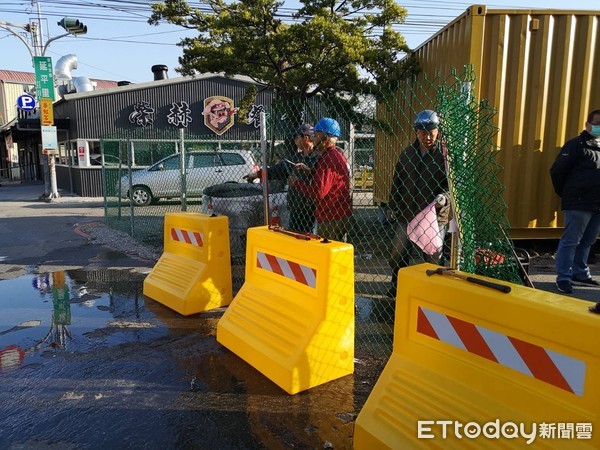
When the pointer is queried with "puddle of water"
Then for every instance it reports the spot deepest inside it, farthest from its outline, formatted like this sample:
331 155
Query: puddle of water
65 331
71 311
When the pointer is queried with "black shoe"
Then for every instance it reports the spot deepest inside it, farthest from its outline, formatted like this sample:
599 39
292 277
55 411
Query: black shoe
584 282
564 286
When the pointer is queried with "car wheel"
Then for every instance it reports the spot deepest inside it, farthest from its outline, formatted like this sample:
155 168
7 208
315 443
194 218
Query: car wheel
141 196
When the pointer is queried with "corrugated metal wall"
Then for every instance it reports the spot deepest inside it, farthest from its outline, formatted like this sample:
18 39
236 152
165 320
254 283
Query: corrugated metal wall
12 91
101 113
83 181
539 70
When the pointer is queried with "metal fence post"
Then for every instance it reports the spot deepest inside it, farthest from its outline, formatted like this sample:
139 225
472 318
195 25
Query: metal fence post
130 151
183 169
119 176
265 177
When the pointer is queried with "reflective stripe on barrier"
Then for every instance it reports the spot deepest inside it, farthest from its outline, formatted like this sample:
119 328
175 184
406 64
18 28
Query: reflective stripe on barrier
468 354
189 237
194 272
292 270
544 364
293 319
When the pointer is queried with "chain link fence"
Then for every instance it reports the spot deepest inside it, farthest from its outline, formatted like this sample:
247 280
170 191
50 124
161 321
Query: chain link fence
149 174
156 172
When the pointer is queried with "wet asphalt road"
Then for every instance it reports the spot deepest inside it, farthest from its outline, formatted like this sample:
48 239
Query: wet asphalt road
111 369
41 236
108 368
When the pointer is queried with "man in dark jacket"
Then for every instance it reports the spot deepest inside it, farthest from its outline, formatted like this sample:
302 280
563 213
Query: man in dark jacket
419 179
302 209
576 178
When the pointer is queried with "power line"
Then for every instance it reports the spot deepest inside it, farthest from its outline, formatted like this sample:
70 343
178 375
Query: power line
425 22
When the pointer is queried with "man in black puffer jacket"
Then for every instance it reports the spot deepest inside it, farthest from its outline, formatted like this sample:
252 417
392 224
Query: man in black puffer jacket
576 179
419 179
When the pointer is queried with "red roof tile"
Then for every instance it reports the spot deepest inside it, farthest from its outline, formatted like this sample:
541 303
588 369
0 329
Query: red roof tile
17 77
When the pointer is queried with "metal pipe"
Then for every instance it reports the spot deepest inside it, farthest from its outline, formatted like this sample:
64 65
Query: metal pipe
265 178
40 29
183 171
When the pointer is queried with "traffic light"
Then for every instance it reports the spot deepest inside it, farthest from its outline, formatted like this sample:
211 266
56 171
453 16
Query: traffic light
73 26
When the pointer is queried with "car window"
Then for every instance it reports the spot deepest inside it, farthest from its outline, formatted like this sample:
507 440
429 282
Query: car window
232 159
170 163
204 160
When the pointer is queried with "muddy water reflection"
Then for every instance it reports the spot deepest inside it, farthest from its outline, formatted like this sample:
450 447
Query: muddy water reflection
72 311
87 362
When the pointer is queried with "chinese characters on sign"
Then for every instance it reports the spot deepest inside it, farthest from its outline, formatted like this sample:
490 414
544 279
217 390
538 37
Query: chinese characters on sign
180 114
44 81
47 111
49 140
254 115
143 114
218 112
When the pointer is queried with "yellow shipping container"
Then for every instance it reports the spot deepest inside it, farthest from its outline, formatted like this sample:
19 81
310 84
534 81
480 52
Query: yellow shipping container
538 69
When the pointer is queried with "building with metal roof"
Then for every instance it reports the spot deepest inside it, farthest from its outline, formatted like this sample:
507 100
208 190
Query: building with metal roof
20 130
204 106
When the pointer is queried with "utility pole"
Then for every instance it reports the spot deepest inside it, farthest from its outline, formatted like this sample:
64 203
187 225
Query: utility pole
45 87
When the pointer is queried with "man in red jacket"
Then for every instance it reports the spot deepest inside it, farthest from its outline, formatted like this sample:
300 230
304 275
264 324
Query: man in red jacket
330 184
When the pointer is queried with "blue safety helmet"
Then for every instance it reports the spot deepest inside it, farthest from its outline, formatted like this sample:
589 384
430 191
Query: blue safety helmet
329 126
426 120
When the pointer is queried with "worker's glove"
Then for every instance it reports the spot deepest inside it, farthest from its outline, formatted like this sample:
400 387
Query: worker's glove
440 200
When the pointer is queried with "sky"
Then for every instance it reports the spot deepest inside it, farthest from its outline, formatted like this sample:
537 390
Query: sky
121 46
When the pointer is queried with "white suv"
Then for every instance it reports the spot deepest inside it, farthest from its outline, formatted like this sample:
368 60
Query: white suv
203 169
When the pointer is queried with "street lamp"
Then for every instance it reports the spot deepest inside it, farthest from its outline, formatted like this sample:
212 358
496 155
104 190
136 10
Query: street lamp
30 28
73 27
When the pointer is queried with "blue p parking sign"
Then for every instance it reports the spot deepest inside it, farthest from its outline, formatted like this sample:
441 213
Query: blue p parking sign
26 102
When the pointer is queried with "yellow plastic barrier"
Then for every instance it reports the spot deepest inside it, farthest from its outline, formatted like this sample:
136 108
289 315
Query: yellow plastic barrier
293 319
473 367
194 272
363 178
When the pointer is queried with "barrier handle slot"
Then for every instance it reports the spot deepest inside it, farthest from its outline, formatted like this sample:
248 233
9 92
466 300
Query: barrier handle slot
490 284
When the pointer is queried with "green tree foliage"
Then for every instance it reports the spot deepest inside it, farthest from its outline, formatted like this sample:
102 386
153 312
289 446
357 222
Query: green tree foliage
327 46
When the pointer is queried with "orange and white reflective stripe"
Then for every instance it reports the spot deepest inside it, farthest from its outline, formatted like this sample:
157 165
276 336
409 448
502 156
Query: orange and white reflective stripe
541 363
189 237
289 269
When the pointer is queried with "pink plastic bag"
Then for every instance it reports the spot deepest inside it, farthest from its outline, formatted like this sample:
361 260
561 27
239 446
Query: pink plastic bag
424 230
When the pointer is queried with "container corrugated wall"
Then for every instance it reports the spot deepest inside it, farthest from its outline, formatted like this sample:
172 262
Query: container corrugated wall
539 70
